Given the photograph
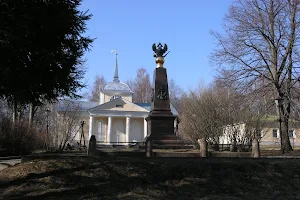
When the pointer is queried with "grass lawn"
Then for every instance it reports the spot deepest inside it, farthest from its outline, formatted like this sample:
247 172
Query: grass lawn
151 178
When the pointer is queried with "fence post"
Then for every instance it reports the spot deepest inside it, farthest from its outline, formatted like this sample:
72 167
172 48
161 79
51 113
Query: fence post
255 148
203 147
148 148
233 146
128 145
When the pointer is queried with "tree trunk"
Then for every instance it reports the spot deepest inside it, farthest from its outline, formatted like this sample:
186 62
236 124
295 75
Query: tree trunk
286 144
63 145
30 117
15 112
32 111
284 133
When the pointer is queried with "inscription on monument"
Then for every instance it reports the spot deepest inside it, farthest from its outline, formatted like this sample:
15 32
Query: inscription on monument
162 126
162 94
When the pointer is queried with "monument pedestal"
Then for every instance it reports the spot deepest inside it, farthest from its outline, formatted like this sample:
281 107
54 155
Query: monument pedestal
161 135
160 127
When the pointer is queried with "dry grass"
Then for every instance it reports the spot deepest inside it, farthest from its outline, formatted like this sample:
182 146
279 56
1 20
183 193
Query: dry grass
140 178
277 152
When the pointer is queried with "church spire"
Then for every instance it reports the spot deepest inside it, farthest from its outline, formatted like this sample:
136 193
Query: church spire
116 75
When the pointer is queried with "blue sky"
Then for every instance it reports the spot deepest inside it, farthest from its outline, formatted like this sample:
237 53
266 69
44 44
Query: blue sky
132 26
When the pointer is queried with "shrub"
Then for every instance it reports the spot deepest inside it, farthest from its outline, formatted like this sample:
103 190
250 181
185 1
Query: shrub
18 138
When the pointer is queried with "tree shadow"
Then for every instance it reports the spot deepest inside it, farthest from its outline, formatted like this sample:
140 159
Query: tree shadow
70 183
134 178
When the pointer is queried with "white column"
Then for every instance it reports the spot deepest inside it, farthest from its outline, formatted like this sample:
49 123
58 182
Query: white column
127 128
91 127
109 130
145 127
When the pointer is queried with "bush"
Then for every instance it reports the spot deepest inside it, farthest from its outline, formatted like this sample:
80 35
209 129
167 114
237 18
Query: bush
18 138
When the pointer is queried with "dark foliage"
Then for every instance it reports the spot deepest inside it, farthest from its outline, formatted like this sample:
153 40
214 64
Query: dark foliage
41 44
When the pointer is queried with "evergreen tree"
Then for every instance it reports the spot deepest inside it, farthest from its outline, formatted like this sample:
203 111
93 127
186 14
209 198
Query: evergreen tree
41 44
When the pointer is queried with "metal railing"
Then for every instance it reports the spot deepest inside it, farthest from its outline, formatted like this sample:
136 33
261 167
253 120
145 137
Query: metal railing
226 147
217 147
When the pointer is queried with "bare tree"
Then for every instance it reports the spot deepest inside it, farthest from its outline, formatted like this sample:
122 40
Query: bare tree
203 115
131 84
260 43
97 87
249 126
142 87
64 123
175 94
218 112
174 90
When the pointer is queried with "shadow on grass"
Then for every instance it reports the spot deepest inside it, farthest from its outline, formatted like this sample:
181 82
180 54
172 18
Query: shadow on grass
65 183
128 178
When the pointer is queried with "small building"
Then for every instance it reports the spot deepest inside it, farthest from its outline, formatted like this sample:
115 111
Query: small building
269 133
271 136
115 119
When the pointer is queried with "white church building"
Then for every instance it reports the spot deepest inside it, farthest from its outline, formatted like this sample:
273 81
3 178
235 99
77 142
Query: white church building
115 119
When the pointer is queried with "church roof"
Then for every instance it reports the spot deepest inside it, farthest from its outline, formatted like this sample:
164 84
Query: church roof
116 86
94 107
118 104
74 105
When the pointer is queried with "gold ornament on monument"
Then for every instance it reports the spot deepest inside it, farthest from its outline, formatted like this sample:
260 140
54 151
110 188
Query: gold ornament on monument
159 53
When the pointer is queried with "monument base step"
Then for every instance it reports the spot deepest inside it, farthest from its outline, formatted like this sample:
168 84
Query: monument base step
167 141
170 144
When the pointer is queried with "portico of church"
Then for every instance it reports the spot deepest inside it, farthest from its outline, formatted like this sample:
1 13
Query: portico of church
115 129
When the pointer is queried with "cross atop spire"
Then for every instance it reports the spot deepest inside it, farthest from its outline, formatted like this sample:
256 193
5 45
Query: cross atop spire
116 75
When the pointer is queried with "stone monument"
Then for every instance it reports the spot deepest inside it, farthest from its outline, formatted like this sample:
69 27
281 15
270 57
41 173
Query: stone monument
92 146
160 120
